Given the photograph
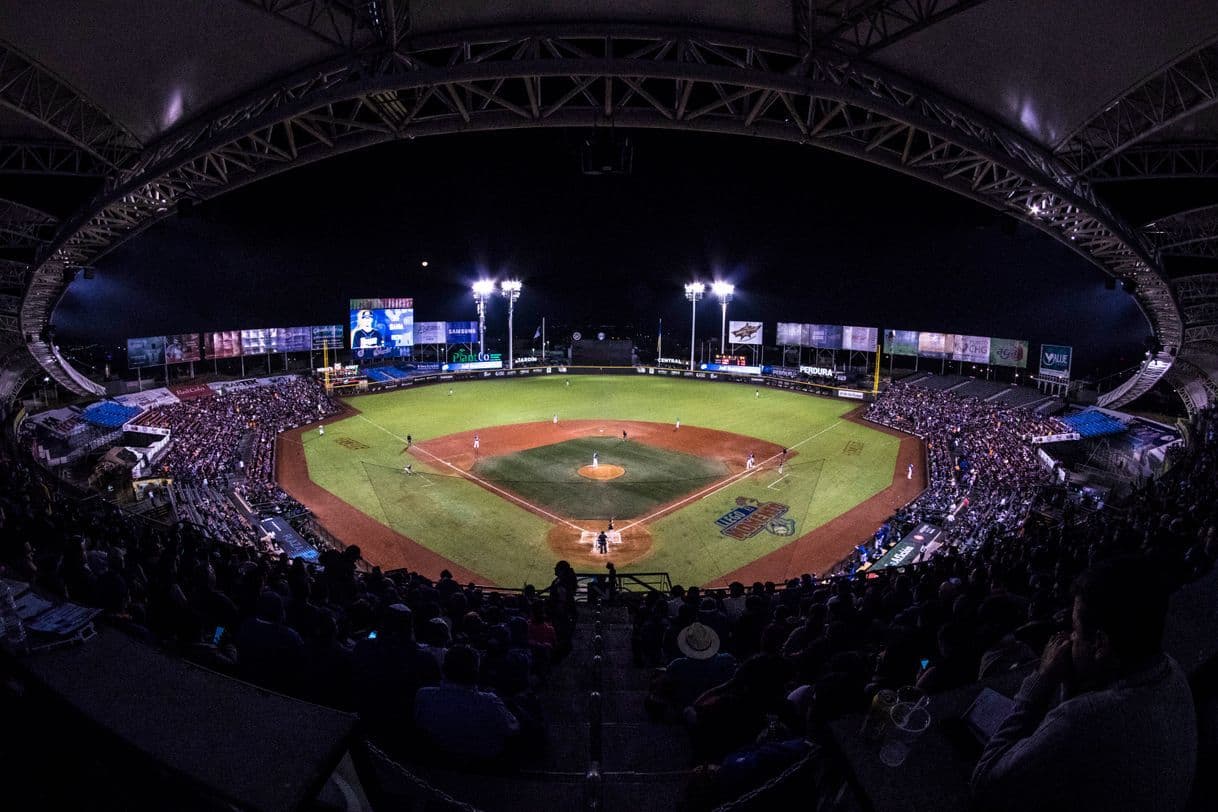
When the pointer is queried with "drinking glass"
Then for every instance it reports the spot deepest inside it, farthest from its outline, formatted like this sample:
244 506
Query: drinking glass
909 721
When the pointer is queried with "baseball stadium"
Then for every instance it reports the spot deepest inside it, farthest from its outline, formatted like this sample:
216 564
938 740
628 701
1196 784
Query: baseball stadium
703 406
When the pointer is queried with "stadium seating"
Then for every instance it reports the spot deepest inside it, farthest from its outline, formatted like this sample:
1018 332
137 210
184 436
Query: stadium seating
109 414
802 654
1093 423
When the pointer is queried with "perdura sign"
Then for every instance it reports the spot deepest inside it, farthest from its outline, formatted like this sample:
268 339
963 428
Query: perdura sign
1055 360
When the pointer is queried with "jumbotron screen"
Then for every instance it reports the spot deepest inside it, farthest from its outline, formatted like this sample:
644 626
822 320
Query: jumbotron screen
381 327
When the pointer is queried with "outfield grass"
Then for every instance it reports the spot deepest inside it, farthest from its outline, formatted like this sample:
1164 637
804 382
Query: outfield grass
548 476
839 464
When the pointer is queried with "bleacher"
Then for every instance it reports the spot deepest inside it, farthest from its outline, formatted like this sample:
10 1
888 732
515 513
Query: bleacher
377 374
385 374
1017 396
1093 423
982 389
940 382
109 414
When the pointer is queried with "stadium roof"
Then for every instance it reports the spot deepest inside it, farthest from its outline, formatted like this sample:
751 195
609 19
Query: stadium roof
114 112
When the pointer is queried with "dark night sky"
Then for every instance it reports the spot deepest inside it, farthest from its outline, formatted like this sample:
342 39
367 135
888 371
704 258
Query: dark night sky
806 236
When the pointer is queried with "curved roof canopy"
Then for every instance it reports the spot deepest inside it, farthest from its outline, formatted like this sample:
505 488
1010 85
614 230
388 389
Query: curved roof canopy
125 108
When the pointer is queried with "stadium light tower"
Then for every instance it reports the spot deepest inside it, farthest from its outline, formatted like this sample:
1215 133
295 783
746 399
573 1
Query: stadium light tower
693 292
724 291
483 290
510 288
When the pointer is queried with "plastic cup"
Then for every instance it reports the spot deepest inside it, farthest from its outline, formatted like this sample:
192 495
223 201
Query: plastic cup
908 723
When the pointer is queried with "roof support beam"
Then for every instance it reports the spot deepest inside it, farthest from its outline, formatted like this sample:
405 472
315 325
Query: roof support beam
1194 161
688 79
860 27
1183 88
22 226
48 158
1192 233
31 90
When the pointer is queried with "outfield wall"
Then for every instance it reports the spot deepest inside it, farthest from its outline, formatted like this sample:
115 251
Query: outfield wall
768 381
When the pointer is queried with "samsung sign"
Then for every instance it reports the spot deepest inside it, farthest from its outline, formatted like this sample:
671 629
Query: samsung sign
461 332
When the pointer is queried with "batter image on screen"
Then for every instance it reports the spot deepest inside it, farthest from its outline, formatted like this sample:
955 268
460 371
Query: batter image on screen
365 335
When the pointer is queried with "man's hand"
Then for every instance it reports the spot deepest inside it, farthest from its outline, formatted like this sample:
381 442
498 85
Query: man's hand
1055 663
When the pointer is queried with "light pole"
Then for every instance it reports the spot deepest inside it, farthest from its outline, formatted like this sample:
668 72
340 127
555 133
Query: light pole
483 290
724 291
510 288
693 292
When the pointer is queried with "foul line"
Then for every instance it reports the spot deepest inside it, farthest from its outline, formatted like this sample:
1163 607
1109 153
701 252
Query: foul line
732 480
775 482
506 494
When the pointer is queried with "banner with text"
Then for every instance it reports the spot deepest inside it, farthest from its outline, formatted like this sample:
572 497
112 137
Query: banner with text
182 348
744 332
823 336
934 345
1008 352
430 332
461 332
859 339
222 344
327 336
1055 360
973 349
790 334
145 352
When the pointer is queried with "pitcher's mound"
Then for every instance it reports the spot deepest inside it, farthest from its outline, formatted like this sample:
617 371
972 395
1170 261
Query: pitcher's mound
604 471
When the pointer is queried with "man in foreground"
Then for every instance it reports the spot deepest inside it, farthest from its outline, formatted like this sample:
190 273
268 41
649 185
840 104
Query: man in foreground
1125 737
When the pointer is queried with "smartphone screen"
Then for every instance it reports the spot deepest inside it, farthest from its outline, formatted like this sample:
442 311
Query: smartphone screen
215 638
925 663
372 634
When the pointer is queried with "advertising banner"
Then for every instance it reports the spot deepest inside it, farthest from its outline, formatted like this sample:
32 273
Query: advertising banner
790 334
744 332
1008 352
1055 360
461 332
859 339
470 365
917 545
222 344
934 345
145 352
327 336
182 348
255 342
736 369
382 327
430 332
291 339
823 336
974 349
901 342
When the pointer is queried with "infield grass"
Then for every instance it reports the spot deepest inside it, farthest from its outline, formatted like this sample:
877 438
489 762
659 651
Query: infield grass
839 464
548 476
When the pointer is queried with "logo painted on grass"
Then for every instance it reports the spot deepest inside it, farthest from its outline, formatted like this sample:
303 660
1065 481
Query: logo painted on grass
750 517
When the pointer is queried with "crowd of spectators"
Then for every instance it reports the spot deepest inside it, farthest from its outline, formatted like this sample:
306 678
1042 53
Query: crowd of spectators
983 473
227 443
333 633
735 664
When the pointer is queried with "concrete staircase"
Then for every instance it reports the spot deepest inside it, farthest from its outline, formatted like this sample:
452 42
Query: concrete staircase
643 766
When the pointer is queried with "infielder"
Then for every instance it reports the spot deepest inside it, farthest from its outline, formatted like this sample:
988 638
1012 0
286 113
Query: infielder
477 442
678 428
751 462
596 459
556 420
